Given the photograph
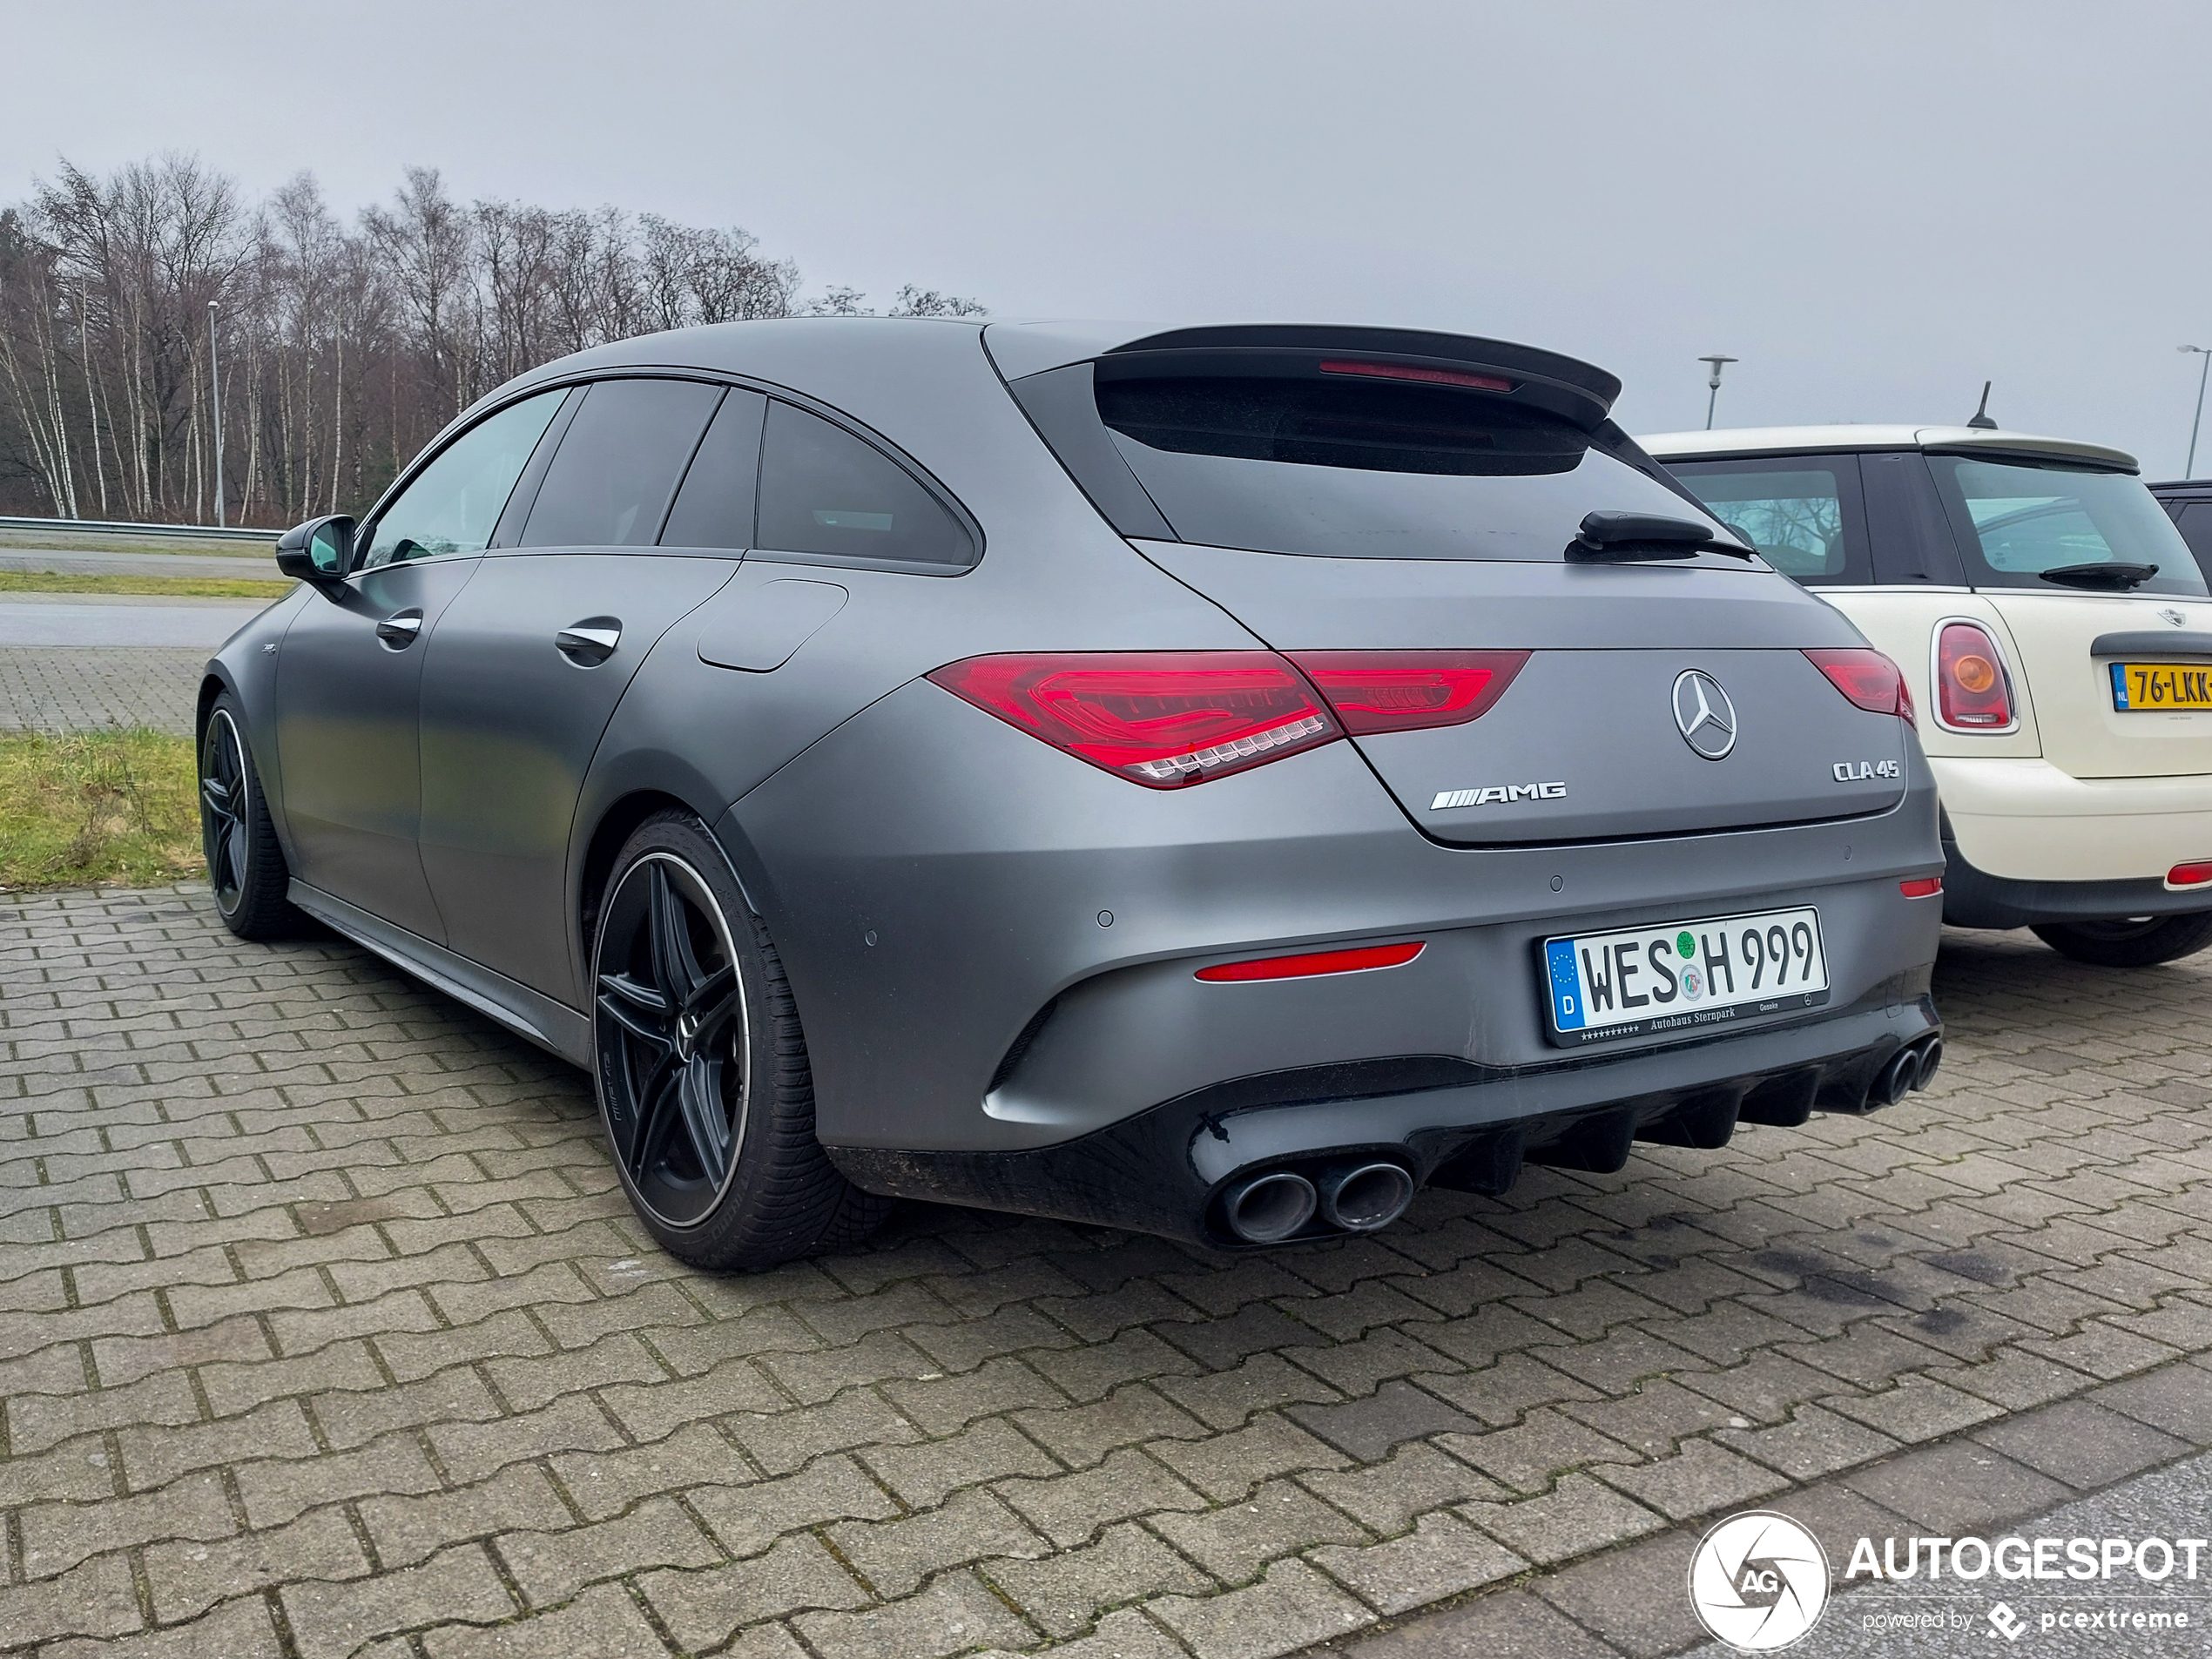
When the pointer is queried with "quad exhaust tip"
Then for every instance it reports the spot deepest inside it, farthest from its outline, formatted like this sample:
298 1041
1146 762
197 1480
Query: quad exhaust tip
1361 1197
1268 1208
1908 1071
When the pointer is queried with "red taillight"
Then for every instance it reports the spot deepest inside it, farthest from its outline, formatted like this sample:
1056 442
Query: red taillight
2188 875
1402 690
1867 677
1160 719
1971 690
1926 887
1326 961
1415 372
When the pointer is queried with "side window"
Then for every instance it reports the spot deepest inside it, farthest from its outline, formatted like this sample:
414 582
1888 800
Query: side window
714 504
824 492
453 504
610 480
1802 512
2195 521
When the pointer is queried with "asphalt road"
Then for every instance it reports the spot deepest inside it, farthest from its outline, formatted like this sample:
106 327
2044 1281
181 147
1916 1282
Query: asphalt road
81 619
256 566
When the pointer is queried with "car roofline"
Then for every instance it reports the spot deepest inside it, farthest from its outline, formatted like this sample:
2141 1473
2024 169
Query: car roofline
1745 442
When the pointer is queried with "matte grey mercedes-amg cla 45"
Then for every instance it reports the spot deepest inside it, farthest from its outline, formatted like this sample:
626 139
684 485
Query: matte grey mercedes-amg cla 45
1214 781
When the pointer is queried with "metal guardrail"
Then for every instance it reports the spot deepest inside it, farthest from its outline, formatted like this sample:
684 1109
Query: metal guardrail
195 532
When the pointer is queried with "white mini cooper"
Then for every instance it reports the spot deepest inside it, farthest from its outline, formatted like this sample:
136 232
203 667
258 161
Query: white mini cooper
2056 635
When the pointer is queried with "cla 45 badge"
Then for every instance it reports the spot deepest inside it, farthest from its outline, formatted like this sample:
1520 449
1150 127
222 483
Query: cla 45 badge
1853 771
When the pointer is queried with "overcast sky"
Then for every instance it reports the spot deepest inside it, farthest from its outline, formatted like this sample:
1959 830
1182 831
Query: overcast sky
1875 206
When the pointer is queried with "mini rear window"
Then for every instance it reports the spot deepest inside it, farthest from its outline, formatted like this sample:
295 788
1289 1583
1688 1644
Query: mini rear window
1296 465
2024 517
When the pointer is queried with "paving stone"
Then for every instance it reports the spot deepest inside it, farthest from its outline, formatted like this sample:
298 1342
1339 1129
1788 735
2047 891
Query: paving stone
1127 1635
1416 1479
894 1556
1063 1591
241 1631
1396 1412
330 1620
407 1530
1512 1625
1579 1515
551 1567
747 1519
602 1623
1442 1556
2082 1444
1632 1599
605 1483
1700 1478
954 1614
1293 1607
702 1609
1069 1508
1235 1542
1955 1489
1080 1435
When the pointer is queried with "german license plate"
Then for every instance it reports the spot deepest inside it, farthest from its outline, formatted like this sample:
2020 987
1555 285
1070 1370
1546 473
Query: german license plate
2143 688
1680 975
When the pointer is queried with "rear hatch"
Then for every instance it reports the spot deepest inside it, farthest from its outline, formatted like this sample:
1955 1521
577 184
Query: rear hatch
2112 657
1371 491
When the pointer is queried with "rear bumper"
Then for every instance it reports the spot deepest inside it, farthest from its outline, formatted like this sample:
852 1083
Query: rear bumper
1165 1170
2024 823
1974 898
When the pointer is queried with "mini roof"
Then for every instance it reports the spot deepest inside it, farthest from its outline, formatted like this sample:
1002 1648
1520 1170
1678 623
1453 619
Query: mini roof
1817 440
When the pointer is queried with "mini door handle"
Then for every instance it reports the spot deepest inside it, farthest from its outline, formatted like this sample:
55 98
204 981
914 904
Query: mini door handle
591 642
400 629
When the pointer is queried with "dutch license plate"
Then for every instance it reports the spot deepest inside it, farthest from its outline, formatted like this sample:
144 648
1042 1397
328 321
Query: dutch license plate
2143 688
1680 975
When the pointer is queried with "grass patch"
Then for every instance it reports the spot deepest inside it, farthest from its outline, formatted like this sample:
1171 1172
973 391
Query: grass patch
114 808
187 587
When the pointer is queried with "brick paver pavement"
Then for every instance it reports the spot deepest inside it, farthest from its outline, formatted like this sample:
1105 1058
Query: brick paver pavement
324 1330
58 688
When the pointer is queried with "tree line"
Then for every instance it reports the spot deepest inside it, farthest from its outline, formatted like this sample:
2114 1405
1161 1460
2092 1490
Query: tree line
340 349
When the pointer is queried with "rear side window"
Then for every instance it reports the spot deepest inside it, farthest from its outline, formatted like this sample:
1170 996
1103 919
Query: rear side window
1803 512
2019 519
714 506
1364 469
827 493
2195 519
611 479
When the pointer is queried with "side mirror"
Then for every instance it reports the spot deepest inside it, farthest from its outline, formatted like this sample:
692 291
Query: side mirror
320 550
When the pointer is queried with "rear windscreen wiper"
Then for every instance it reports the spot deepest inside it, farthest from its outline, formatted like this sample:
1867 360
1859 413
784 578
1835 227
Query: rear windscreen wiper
2112 578
1612 538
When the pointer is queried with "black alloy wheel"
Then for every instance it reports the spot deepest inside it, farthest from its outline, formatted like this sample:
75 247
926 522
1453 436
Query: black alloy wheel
701 1070
672 1039
2129 942
245 865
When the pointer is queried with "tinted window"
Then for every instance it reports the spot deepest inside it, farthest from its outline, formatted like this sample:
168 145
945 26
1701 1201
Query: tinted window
1793 511
452 505
824 491
1290 465
2196 520
610 480
714 506
2027 519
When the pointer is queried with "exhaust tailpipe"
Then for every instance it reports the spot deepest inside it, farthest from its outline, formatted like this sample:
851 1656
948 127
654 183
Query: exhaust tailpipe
1930 1058
1897 1079
1360 1197
1267 1209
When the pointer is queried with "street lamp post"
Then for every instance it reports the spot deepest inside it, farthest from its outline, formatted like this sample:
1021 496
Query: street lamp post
2188 468
215 391
1713 385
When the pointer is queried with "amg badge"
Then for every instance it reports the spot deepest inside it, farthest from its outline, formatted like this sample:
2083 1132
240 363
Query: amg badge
1497 795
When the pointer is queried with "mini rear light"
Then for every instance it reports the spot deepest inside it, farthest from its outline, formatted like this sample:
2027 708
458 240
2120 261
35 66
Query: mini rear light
1926 888
2188 875
1159 718
1326 962
1404 690
1972 691
1871 680
1416 372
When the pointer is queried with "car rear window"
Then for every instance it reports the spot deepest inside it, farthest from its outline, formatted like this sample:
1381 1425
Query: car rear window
1802 514
2026 517
1366 469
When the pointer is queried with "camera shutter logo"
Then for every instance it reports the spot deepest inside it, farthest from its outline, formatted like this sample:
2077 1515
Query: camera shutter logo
1759 1581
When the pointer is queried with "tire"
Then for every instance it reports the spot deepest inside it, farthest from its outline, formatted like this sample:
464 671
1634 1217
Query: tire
245 865
2129 942
704 1091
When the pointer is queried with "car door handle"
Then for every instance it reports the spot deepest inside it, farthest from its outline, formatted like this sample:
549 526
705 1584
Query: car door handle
399 631
589 643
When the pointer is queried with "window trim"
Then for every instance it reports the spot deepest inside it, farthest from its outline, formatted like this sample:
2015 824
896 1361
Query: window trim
890 452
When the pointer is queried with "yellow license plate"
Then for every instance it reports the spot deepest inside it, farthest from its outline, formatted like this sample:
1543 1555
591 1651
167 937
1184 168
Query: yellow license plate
2143 688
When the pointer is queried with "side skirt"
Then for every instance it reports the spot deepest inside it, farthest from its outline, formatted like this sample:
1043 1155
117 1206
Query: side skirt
553 1026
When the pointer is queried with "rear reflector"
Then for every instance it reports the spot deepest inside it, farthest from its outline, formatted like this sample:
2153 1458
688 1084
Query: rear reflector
1972 690
1868 678
1159 718
2188 875
1405 690
1415 372
1926 887
1326 962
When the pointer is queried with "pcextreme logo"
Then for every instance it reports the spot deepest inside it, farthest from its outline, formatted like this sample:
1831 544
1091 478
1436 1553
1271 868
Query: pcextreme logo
1759 1581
